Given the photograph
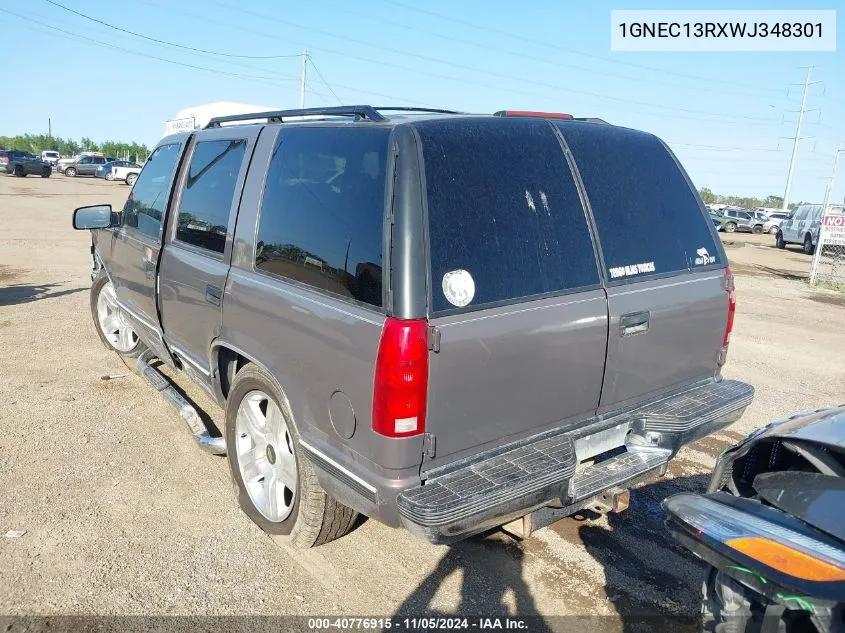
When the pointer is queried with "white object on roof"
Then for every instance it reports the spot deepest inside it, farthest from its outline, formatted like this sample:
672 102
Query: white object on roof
198 116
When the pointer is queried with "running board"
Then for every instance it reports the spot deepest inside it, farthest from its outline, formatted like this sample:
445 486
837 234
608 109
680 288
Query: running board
162 384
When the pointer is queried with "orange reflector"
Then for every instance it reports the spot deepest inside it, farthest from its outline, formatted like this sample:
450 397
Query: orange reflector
787 560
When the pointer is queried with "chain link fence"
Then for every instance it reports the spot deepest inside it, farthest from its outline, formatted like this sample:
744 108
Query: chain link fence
828 268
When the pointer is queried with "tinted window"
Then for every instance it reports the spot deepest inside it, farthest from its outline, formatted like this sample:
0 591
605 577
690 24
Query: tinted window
146 203
99 160
323 208
208 193
648 218
502 206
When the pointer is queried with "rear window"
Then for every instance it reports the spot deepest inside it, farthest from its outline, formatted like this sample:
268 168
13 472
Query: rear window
505 219
648 218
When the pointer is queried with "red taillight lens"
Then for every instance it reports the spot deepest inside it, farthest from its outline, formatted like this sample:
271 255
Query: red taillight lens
729 287
401 379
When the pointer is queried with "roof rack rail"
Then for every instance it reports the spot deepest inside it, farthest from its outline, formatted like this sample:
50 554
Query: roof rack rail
411 109
278 116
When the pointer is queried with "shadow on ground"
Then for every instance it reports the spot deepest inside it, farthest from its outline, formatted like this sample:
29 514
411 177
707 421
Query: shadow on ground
491 579
27 293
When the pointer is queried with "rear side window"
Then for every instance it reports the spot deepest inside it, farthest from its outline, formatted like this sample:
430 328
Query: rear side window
322 214
148 198
505 218
648 218
208 193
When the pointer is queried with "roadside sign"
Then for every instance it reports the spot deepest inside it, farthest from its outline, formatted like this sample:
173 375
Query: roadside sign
833 229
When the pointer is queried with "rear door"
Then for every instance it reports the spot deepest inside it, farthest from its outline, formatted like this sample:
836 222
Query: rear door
198 246
515 292
662 260
792 227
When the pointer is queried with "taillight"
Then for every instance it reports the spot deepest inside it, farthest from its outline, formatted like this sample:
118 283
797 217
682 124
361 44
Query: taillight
401 378
729 287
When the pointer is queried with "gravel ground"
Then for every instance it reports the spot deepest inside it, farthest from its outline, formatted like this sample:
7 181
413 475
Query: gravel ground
125 515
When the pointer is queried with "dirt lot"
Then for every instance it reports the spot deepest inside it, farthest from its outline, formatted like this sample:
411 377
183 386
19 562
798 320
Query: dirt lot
124 515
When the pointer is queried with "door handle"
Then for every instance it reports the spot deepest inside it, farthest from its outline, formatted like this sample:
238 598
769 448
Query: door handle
213 294
633 323
149 267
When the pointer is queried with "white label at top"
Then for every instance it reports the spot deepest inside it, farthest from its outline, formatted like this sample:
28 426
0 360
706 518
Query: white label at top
722 30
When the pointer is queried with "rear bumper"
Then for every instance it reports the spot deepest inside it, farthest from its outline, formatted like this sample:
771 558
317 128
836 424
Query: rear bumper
553 468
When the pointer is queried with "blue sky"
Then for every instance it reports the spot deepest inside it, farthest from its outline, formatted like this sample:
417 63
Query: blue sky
726 115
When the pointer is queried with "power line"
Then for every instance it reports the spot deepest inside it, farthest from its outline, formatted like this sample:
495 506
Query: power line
479 70
575 52
100 43
158 41
320 75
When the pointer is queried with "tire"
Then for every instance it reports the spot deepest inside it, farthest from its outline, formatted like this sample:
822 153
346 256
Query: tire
131 178
127 346
757 229
808 247
773 230
308 516
19 171
779 240
70 171
109 176
45 173
730 227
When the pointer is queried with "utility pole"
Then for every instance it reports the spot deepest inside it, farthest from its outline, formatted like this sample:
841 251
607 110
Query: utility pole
796 140
49 129
827 193
303 78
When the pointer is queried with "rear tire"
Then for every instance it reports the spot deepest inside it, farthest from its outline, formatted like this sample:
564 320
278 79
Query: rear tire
773 230
131 178
314 518
779 240
730 227
757 229
808 248
19 171
108 176
70 171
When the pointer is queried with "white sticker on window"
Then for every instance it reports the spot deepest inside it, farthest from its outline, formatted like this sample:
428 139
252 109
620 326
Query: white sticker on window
704 257
458 287
632 269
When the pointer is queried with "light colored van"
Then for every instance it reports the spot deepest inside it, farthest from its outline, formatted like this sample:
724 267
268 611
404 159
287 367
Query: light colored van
802 226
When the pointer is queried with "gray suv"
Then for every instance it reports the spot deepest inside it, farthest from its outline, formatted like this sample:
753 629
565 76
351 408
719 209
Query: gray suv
443 321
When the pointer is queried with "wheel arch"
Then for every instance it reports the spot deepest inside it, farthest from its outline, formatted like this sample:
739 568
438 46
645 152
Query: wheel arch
227 360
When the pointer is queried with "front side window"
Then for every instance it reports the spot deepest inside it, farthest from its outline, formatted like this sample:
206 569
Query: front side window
208 193
147 201
649 219
322 214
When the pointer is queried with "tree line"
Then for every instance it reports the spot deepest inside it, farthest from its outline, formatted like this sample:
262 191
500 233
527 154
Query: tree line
37 143
772 202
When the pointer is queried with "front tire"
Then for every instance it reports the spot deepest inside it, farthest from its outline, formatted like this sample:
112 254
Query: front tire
109 176
46 173
730 227
773 230
113 330
276 484
70 171
757 229
779 241
19 171
131 178
808 248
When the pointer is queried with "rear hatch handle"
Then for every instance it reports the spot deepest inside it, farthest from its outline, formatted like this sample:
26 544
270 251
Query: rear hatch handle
633 323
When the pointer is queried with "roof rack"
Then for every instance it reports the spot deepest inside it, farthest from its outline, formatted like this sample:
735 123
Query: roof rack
411 109
278 116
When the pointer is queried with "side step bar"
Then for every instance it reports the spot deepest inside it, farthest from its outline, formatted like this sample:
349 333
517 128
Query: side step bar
160 382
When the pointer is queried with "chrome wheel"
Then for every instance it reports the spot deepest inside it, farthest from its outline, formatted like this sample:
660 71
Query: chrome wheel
266 460
114 328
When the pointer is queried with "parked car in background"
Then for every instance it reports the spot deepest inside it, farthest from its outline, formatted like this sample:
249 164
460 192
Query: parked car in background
85 166
24 164
64 162
50 156
802 226
774 221
757 214
118 170
741 220
446 354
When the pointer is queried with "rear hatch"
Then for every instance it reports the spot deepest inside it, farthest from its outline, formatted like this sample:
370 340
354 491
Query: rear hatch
528 312
515 290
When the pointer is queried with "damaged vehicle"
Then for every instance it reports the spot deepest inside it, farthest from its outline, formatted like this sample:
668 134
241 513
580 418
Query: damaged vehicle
772 529
443 321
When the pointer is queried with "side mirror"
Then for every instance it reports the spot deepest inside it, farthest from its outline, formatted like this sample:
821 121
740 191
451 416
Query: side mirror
98 216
